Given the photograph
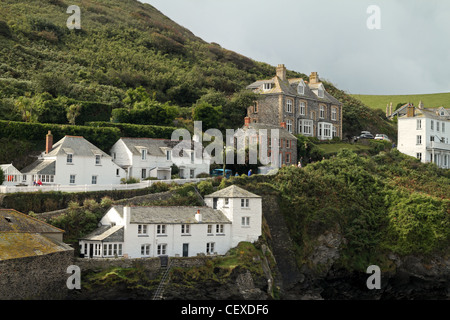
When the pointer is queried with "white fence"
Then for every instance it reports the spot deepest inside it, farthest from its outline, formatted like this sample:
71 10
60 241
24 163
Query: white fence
92 187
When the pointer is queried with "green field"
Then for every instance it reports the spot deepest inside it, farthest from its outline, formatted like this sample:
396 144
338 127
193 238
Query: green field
380 101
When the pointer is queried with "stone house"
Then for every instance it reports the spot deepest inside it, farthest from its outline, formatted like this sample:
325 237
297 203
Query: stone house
33 258
230 216
305 106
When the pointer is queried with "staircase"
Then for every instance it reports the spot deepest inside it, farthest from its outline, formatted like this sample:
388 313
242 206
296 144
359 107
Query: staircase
164 281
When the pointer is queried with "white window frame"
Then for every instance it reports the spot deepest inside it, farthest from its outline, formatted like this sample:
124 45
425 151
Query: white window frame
72 181
245 221
322 111
245 203
301 88
161 229
418 140
69 159
144 154
162 249
289 104
289 125
210 247
98 159
220 228
333 114
145 250
94 179
302 110
419 124
185 229
142 229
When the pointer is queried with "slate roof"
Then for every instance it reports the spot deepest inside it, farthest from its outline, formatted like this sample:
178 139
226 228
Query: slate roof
289 87
173 215
15 245
157 147
232 191
17 222
78 146
41 167
106 233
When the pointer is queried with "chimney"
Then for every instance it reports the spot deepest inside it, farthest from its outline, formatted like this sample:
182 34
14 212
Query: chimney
247 121
126 214
410 110
281 72
198 216
314 78
283 125
48 142
420 104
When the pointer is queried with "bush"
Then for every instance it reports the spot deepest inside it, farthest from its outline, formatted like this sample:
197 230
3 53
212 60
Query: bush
137 131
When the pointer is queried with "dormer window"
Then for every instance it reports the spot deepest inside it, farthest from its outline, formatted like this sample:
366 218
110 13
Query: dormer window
301 88
321 91
267 86
143 154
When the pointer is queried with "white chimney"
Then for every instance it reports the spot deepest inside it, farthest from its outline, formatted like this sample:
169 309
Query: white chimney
198 216
126 215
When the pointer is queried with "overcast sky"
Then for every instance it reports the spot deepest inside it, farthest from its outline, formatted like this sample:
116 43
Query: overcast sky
409 54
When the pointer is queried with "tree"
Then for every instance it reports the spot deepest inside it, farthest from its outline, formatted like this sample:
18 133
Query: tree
27 107
133 96
2 176
210 116
73 112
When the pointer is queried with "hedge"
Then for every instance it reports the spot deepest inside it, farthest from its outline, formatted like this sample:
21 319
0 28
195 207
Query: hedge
136 130
102 137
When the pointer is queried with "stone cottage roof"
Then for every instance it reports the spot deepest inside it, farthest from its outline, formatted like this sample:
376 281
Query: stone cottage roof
173 215
15 245
14 221
232 191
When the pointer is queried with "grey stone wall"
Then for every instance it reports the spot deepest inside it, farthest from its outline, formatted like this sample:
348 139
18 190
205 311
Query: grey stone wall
35 278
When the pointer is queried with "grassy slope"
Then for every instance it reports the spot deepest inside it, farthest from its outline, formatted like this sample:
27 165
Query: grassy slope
380 101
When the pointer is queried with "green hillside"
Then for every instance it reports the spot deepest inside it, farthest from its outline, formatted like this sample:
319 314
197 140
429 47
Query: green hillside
130 64
380 101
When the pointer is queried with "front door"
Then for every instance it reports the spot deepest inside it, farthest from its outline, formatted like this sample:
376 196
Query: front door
185 249
91 250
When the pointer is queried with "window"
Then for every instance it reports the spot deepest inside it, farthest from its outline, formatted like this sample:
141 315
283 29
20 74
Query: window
443 127
144 173
437 125
419 124
322 112
301 88
97 159
245 221
72 179
209 229
431 138
288 158
333 114
161 229
69 158
289 105
327 130
321 91
418 139
168 155
117 172
142 229
432 125
307 127
255 107
185 229
191 173
94 179
145 250
245 203
227 201
419 156
302 108
267 86
219 228
162 249
289 125
210 247
143 154
334 131
192 156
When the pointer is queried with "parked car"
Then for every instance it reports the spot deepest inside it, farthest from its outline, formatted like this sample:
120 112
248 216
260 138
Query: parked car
365 135
382 136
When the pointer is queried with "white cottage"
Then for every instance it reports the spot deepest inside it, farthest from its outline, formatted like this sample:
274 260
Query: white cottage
73 161
232 215
146 157
12 176
425 134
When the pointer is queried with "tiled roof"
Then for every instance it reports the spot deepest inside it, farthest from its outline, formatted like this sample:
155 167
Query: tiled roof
173 215
17 222
232 192
157 147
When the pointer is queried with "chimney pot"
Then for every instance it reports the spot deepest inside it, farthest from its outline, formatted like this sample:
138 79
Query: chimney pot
283 124
247 121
